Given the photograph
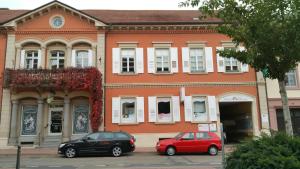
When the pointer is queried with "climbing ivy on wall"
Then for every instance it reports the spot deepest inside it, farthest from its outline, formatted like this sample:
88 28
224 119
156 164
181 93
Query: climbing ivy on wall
69 79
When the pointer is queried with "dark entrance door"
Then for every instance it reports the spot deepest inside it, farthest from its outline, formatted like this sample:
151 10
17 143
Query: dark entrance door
295 116
55 121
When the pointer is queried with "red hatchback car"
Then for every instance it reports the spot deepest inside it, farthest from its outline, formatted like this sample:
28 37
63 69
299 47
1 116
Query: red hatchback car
190 142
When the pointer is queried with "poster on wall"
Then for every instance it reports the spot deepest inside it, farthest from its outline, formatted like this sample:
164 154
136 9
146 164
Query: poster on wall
213 127
81 119
29 120
203 127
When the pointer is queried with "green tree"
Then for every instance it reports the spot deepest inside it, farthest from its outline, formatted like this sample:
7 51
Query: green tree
278 151
269 30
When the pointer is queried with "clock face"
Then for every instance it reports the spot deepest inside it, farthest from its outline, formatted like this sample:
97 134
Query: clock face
57 22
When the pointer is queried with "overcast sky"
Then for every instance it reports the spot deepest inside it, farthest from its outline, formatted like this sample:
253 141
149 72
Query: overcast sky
98 4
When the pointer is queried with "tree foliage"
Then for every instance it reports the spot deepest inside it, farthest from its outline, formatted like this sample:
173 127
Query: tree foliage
269 29
279 151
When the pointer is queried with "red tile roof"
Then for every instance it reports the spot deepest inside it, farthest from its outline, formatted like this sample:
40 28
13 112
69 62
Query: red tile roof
131 16
149 16
6 15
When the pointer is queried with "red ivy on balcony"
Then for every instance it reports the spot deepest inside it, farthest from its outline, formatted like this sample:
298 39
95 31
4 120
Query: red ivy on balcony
69 79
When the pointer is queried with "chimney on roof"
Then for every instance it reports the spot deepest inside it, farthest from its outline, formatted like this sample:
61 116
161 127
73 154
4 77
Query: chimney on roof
4 8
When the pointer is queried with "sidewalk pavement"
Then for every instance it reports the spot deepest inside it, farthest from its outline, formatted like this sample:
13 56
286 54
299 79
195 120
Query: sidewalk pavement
32 151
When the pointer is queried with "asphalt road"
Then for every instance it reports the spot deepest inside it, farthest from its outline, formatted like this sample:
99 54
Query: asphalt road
129 161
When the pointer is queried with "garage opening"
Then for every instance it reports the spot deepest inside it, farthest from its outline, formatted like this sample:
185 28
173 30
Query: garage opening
237 120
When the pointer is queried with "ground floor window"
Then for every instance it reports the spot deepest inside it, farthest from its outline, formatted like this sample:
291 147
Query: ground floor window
29 120
295 116
128 114
81 119
199 109
164 110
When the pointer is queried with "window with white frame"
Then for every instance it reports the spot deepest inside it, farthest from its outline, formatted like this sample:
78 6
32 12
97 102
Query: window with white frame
82 58
197 60
128 59
199 109
162 60
231 64
57 60
291 78
164 110
31 59
128 110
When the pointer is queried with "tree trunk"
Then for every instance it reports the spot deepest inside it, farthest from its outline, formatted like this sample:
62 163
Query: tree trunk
285 107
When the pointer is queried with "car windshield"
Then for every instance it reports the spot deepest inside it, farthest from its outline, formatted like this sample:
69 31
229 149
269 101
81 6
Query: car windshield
179 135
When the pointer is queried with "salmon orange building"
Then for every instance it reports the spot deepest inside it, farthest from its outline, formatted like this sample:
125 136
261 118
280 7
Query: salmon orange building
153 74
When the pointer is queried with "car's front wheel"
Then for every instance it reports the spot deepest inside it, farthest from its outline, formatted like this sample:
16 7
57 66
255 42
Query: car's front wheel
170 151
213 151
70 152
116 151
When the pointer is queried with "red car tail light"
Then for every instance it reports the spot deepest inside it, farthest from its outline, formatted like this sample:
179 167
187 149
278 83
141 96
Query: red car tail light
132 140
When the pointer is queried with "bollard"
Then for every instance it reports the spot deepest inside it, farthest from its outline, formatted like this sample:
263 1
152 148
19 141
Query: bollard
18 157
223 148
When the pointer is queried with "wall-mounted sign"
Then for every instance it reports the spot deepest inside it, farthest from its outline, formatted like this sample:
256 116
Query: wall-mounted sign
213 127
265 118
203 127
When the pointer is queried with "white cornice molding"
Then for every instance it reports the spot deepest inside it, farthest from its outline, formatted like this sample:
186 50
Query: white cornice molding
178 84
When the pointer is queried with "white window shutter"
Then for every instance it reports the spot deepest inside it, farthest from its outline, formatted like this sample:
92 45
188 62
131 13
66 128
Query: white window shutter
116 60
22 59
188 108
116 109
140 109
152 108
185 60
209 59
90 57
139 60
212 108
244 67
39 58
73 59
151 64
176 108
220 61
174 59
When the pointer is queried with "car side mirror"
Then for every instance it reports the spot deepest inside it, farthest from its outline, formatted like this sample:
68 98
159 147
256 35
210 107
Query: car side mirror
84 139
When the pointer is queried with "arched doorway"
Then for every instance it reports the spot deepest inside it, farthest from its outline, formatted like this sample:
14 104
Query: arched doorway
237 116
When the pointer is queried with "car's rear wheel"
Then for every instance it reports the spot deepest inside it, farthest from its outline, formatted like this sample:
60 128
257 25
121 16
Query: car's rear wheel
213 150
170 151
70 152
116 151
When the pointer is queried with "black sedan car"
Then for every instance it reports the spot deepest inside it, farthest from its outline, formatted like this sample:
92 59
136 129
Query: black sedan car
115 143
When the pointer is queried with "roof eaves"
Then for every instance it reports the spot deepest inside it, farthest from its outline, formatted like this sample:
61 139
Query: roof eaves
55 1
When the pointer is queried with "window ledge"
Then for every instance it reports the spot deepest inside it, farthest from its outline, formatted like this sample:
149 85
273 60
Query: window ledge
292 88
234 72
198 73
167 73
128 124
165 122
128 74
201 122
